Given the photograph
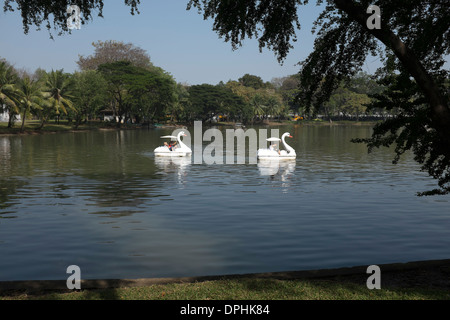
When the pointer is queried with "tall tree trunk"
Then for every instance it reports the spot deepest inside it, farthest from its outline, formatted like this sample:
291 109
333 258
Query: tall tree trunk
23 120
11 119
43 121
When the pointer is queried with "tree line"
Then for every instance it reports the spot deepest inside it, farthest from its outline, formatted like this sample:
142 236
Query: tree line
120 83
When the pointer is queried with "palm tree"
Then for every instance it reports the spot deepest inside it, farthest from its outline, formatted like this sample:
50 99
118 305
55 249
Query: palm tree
57 91
178 109
283 111
29 96
8 91
273 106
259 109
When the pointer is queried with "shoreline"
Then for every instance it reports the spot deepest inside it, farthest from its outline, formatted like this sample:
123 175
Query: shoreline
414 274
63 128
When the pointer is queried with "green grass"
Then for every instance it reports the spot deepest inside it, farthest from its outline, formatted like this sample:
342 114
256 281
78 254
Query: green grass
245 289
32 126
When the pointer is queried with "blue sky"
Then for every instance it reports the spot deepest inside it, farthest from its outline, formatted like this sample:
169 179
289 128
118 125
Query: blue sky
178 41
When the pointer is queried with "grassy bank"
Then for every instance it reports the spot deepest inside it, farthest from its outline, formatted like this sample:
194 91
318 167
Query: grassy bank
427 280
245 289
32 126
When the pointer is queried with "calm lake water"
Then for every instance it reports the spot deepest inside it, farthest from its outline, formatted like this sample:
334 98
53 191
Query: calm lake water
100 200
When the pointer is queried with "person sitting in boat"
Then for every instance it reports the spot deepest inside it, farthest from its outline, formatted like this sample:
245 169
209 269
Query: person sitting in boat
173 146
170 145
273 147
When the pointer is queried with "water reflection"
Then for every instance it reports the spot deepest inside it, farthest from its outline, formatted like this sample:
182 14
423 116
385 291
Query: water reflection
118 195
179 166
8 185
5 154
277 170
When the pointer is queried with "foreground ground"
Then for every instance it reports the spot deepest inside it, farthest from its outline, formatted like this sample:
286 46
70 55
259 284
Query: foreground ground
428 280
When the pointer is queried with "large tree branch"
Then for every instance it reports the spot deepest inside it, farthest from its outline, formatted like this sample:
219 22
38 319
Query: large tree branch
439 109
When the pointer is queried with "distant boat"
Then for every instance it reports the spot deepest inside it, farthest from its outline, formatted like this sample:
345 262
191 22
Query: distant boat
180 150
272 153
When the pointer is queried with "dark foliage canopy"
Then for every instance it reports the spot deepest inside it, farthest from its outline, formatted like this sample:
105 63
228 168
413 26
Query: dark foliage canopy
210 101
38 12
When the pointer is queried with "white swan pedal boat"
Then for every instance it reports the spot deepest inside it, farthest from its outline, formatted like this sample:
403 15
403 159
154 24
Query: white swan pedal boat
272 154
180 150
